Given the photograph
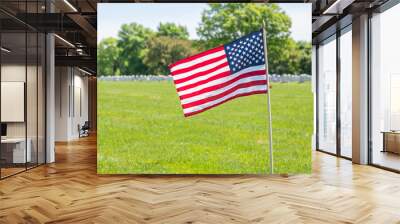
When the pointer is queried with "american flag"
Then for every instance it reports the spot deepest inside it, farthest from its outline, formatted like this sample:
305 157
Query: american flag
215 76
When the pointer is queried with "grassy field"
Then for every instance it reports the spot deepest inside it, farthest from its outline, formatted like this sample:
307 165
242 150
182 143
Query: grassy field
142 130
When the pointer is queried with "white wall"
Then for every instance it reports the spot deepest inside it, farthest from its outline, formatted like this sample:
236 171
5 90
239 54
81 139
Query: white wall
62 82
33 126
71 87
16 73
81 94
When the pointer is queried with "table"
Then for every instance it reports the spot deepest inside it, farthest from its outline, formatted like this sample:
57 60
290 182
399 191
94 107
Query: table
18 150
391 141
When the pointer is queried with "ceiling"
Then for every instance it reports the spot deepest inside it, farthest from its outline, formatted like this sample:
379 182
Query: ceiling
331 15
75 22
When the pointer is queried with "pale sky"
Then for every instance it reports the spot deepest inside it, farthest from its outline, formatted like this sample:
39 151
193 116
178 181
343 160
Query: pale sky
112 15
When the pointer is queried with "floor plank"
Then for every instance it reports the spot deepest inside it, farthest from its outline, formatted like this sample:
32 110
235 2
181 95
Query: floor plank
70 191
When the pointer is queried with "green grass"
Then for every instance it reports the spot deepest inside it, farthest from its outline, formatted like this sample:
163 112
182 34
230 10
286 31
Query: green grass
142 130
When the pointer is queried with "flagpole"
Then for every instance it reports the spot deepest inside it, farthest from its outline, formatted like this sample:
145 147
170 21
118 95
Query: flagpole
271 161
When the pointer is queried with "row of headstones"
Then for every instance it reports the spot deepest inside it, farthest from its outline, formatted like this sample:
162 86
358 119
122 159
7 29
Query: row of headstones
273 78
290 78
135 78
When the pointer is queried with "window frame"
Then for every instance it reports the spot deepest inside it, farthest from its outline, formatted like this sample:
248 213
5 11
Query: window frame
333 37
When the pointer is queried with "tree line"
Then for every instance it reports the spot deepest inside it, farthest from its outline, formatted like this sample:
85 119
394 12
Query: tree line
140 50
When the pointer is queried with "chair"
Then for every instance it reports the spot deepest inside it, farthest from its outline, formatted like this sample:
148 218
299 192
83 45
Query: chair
84 130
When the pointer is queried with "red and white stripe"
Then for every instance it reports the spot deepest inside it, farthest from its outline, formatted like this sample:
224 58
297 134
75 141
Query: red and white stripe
205 80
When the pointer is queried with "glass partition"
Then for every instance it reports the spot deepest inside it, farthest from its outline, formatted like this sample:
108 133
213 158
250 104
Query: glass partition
385 89
22 78
41 85
31 100
14 153
327 95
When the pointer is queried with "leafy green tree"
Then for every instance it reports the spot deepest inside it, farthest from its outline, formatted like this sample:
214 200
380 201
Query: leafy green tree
224 22
199 45
107 57
304 49
288 59
172 30
132 42
162 51
139 50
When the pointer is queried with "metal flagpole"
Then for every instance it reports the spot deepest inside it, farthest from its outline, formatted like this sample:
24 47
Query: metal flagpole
271 161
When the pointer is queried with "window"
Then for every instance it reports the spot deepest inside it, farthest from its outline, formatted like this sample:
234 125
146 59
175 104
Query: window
327 96
385 89
346 92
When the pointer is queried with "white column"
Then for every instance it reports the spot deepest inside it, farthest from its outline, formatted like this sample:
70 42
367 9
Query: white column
50 99
360 90
63 99
50 92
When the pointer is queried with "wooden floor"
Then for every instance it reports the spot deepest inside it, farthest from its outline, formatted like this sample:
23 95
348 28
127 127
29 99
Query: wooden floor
5 172
9 171
70 191
387 159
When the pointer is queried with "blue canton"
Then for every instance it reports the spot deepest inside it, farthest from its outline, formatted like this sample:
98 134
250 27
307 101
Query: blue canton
245 52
